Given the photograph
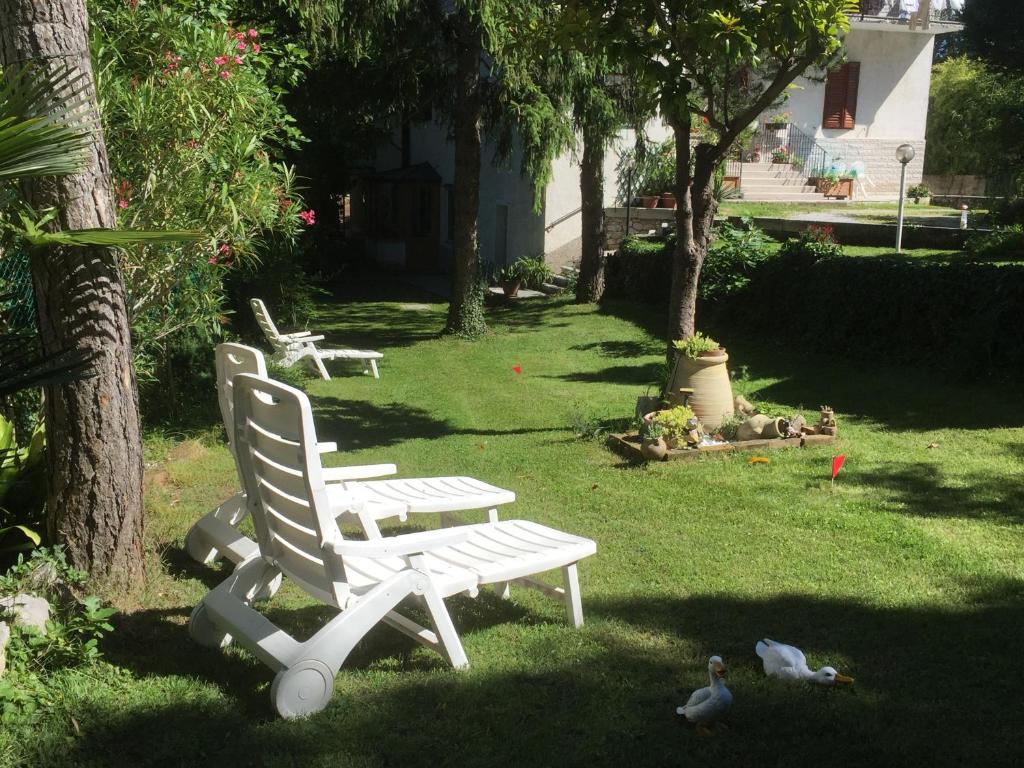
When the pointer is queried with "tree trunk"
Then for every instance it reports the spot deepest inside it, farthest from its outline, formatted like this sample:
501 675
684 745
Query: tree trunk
94 446
465 312
686 260
589 284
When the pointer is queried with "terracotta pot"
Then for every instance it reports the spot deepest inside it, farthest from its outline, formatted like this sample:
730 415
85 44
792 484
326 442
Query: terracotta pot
668 200
654 450
708 377
774 428
649 201
510 288
751 428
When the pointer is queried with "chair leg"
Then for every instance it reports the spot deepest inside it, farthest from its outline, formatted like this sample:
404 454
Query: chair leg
199 544
451 646
504 589
321 369
573 603
373 367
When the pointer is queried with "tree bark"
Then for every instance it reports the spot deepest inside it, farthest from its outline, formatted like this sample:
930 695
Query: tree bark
589 285
94 446
686 260
465 312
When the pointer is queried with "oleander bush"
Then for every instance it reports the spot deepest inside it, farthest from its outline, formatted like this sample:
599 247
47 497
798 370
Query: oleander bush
195 128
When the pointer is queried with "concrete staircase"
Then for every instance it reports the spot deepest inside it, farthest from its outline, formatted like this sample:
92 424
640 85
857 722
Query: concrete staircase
777 183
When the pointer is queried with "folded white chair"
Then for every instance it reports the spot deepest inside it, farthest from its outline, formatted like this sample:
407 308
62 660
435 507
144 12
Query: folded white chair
290 348
298 536
216 534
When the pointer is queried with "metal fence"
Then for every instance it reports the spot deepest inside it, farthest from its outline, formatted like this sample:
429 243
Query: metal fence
17 300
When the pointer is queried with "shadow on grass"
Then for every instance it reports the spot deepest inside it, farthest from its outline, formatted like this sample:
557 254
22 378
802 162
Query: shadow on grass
924 491
639 375
356 424
897 397
935 686
629 349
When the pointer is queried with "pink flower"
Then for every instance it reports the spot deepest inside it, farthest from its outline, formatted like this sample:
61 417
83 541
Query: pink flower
213 260
238 59
308 216
256 48
224 74
241 46
220 61
224 248
122 203
253 33
239 35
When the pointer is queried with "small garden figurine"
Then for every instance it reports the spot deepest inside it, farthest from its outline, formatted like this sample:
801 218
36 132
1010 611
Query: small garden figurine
784 662
827 421
710 704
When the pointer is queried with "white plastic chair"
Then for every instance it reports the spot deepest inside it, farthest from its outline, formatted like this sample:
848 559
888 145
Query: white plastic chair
216 535
290 348
298 537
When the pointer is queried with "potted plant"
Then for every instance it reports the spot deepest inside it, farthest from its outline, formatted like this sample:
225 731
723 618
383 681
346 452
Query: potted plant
673 425
778 121
511 278
834 184
652 441
919 192
668 200
701 367
780 155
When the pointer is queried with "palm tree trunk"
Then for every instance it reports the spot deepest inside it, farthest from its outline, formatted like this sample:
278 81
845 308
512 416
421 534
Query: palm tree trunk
94 446
588 286
465 312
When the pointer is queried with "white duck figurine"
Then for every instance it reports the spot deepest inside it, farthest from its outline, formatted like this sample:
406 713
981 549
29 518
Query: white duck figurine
785 662
706 705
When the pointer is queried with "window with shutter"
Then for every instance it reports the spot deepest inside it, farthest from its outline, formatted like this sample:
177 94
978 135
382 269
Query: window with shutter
840 110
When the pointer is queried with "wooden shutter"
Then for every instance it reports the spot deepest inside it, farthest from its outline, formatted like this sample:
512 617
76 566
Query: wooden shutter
840 110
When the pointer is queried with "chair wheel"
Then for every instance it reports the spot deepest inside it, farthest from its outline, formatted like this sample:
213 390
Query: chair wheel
199 550
202 629
303 689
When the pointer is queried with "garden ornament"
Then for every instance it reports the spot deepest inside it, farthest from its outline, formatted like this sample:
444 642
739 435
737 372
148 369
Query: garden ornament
827 421
706 705
784 662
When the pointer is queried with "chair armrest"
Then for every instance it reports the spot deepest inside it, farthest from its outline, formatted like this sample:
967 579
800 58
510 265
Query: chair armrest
326 447
302 340
296 335
404 545
340 474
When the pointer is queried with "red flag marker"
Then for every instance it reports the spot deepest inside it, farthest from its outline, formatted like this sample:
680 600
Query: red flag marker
837 464
517 368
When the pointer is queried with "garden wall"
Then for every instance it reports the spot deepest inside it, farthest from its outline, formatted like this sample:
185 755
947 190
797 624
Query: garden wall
963 318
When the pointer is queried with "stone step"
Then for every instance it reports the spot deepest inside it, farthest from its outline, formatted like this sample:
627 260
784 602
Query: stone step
551 288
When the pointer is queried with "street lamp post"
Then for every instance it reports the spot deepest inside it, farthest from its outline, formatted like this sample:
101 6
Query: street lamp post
904 153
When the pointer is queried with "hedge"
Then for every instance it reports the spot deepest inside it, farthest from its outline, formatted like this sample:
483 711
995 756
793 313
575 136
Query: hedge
964 316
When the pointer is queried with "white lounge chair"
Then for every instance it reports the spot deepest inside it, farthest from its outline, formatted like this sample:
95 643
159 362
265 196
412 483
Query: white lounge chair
298 536
216 535
290 348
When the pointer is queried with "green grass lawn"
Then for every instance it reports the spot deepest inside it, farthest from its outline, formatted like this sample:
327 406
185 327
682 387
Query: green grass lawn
867 211
908 576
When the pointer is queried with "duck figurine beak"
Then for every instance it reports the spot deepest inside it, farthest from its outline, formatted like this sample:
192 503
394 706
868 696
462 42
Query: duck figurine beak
720 669
844 679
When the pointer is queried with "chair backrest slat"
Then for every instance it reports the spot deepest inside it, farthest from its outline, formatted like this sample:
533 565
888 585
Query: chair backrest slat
232 359
283 481
266 324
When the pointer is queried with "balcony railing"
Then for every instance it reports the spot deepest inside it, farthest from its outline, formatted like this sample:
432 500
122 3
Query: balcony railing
920 13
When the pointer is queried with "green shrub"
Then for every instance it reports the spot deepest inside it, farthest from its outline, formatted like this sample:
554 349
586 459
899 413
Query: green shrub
195 124
72 633
674 423
734 256
813 243
649 168
531 271
918 191
1001 243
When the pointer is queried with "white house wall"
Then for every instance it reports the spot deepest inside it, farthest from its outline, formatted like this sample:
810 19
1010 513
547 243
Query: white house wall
892 105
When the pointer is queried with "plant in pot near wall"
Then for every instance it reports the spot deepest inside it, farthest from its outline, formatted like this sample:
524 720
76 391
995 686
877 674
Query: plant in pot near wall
652 441
534 271
778 121
700 378
511 278
781 155
919 192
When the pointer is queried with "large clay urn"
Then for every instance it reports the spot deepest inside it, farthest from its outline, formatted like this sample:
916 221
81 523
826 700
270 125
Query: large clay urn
708 377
